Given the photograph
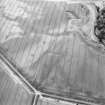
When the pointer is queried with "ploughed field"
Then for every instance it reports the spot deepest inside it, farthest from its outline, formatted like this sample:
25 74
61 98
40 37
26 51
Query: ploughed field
35 36
53 102
11 91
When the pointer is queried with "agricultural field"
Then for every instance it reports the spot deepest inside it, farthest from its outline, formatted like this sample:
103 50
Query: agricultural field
53 102
42 39
11 91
